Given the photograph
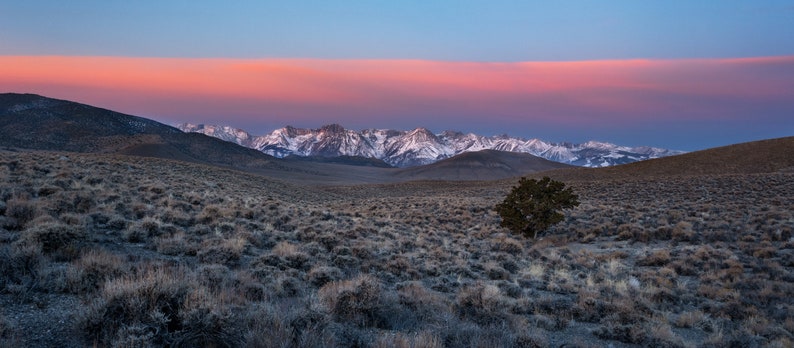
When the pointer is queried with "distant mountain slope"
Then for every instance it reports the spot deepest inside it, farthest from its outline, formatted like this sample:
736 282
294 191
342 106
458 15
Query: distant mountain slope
34 122
480 165
421 146
763 156
346 160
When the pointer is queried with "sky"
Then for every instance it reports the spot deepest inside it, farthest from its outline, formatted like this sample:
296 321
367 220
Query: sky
677 74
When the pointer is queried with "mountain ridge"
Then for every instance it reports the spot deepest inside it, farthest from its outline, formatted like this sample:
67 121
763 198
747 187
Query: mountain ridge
34 122
31 121
420 146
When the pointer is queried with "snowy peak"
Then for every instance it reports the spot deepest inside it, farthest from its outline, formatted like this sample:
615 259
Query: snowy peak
467 142
227 133
421 146
334 140
416 147
332 129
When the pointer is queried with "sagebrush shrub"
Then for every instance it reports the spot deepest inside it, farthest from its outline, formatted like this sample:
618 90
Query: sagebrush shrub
482 303
61 240
321 275
226 251
92 269
21 210
423 339
355 301
656 258
161 307
20 264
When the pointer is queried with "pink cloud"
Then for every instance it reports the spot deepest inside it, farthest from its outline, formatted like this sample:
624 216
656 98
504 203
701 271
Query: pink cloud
554 92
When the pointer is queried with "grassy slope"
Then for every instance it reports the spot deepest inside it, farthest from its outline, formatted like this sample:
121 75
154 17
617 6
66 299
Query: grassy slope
35 122
480 165
765 156
136 251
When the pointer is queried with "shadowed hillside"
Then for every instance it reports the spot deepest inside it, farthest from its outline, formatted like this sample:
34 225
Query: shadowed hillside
480 165
346 160
34 122
764 156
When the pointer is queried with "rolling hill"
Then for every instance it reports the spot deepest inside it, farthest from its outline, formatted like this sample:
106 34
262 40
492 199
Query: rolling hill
31 121
755 157
480 165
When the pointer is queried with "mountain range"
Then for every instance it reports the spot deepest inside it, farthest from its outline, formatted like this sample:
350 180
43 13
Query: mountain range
420 146
29 121
33 122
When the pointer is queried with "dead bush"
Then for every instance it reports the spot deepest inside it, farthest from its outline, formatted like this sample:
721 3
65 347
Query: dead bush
21 211
627 333
19 265
227 251
507 245
657 258
683 232
321 275
59 240
293 326
157 306
401 340
92 269
482 303
9 337
356 301
427 305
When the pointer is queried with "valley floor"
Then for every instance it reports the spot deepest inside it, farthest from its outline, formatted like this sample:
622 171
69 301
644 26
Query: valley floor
128 251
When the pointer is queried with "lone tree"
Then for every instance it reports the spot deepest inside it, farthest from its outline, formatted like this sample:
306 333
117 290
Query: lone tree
533 206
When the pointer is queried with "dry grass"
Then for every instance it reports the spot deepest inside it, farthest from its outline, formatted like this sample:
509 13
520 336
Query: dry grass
168 253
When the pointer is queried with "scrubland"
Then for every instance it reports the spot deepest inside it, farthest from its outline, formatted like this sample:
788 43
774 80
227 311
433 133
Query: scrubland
116 251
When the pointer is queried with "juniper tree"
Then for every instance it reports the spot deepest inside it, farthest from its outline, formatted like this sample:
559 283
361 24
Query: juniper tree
533 206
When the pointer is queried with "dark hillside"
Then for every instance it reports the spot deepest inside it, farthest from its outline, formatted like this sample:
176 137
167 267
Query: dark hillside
480 165
34 122
756 157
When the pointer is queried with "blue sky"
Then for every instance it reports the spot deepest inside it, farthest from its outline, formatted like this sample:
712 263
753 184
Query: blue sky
460 30
696 39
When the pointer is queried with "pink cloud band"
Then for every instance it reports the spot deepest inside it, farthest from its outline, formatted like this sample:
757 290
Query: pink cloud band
588 91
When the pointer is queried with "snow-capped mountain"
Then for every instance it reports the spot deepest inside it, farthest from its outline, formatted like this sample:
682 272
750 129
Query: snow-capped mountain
227 133
421 146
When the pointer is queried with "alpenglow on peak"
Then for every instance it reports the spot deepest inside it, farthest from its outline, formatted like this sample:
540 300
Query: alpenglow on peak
421 146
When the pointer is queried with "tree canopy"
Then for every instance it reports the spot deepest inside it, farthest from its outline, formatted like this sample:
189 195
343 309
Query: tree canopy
533 206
